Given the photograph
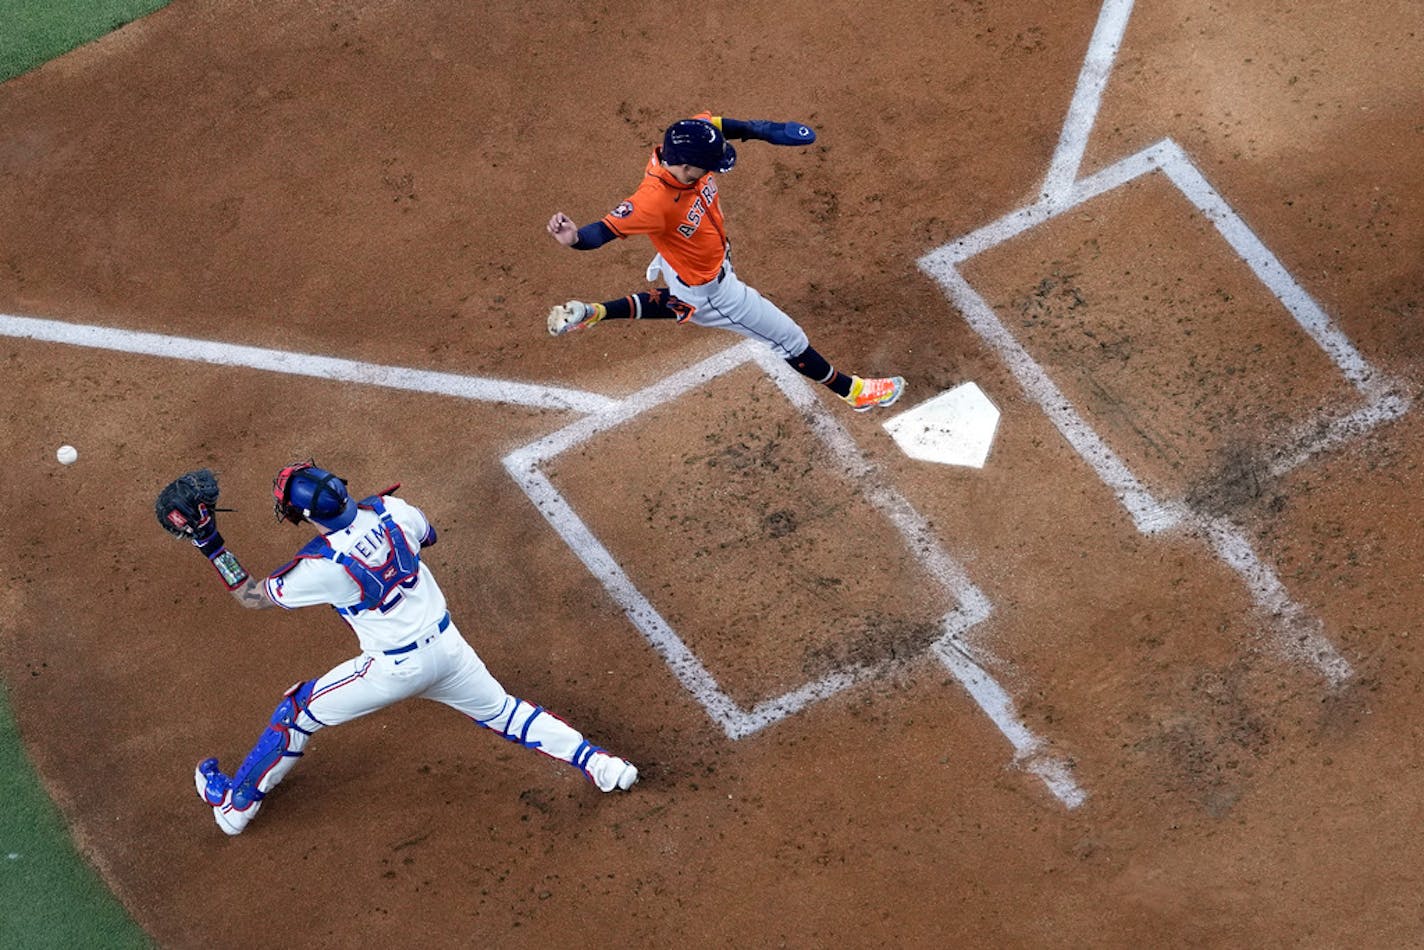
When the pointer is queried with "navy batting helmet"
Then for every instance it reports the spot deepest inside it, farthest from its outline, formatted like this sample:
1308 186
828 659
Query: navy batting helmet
301 490
699 143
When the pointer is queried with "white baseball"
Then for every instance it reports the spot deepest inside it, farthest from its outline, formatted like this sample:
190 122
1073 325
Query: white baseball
67 454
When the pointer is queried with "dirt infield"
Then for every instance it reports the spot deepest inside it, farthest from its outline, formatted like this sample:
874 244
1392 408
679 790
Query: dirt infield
1149 678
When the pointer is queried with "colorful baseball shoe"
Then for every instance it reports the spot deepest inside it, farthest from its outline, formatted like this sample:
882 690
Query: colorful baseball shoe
574 315
867 394
610 773
215 789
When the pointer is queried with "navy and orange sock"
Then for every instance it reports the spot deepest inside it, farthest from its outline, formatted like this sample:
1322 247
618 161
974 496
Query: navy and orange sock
644 305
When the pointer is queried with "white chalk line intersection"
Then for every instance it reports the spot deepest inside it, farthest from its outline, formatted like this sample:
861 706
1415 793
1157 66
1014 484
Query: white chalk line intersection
1296 637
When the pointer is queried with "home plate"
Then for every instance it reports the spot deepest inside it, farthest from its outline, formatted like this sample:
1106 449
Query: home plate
954 428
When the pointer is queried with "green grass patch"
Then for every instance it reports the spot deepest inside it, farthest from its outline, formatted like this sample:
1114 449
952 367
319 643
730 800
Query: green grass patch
35 31
49 896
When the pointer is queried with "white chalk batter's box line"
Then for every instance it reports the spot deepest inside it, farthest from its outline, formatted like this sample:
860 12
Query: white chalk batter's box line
1297 634
950 648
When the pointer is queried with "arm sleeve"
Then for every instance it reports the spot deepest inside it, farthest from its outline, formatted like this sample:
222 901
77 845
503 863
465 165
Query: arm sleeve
737 129
593 235
764 130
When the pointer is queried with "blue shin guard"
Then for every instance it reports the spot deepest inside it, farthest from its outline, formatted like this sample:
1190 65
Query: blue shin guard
277 749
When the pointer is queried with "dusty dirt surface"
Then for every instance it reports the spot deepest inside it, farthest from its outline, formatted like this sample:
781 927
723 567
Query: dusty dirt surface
370 182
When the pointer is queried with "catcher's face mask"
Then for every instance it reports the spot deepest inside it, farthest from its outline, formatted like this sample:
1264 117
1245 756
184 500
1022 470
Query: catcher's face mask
301 491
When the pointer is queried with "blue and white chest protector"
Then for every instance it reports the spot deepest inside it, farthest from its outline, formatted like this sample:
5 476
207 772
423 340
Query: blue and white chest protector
371 573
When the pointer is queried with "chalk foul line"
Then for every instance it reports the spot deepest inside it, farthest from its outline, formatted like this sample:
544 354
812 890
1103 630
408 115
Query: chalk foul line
475 388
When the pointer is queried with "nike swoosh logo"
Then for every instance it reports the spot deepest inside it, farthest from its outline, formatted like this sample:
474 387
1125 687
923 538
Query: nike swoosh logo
399 662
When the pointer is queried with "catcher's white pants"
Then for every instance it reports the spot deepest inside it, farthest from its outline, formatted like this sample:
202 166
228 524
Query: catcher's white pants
728 303
443 667
447 670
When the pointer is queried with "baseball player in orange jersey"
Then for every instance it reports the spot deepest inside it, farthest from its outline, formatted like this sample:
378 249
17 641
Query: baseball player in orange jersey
676 205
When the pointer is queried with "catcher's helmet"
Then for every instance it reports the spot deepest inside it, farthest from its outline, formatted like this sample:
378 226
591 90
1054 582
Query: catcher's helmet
699 143
302 490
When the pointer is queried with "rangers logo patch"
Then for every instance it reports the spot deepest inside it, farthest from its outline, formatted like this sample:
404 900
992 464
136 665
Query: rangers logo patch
623 210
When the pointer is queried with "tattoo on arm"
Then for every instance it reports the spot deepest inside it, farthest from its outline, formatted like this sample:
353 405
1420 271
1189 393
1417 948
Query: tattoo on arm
252 593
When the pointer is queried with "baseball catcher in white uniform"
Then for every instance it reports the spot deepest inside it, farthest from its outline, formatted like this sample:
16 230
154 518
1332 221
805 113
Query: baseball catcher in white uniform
366 563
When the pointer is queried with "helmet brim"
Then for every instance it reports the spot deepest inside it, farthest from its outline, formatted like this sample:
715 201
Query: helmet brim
729 158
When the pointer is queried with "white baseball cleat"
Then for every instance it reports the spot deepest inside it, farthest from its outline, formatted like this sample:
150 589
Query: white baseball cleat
611 773
232 821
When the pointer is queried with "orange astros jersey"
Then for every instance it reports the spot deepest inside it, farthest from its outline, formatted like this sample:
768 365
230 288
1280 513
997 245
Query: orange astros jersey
684 222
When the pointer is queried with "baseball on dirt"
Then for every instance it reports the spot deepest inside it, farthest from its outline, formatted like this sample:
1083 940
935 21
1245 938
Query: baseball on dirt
67 454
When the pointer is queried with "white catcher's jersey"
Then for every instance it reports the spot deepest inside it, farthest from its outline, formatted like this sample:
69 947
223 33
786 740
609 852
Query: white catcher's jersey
411 609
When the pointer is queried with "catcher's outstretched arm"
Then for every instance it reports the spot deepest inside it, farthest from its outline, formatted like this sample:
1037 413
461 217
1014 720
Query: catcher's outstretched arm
187 508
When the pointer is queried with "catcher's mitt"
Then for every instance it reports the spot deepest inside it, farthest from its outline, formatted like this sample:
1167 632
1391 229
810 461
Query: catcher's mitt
187 506
574 315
